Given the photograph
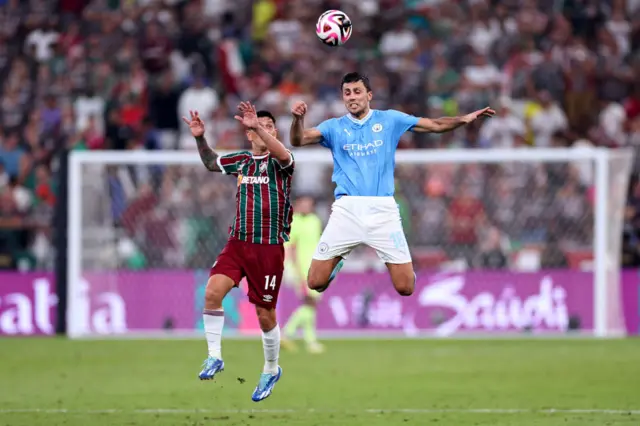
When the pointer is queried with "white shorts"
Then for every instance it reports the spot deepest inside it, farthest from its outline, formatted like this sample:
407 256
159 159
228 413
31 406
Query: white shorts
373 221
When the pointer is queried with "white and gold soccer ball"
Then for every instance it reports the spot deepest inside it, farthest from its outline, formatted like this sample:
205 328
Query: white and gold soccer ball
334 28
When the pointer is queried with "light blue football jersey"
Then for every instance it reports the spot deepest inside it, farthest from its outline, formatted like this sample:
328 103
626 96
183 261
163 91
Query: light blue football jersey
364 151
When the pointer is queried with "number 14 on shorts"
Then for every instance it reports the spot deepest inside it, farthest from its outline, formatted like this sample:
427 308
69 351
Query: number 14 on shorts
269 281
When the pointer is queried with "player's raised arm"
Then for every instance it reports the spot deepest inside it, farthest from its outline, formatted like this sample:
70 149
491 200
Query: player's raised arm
446 124
249 119
299 135
208 156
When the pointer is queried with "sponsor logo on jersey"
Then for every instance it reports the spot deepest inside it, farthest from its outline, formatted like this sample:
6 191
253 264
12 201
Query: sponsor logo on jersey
253 180
363 149
377 127
363 146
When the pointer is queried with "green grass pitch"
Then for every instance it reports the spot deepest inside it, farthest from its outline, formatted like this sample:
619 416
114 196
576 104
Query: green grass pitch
385 382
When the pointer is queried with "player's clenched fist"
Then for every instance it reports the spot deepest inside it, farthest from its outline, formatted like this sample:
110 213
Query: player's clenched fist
196 125
299 109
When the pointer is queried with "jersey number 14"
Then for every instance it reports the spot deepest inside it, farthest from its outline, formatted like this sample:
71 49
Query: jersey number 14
269 281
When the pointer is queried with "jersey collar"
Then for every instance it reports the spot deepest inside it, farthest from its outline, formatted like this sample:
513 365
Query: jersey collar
260 157
362 120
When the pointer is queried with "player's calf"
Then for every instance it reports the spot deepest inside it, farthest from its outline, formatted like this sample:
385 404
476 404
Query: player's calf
403 278
270 338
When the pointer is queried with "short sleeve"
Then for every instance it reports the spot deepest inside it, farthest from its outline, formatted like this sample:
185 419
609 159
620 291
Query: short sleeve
286 168
325 130
230 163
402 122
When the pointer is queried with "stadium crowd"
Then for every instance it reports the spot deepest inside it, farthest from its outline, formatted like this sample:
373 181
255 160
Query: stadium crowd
118 74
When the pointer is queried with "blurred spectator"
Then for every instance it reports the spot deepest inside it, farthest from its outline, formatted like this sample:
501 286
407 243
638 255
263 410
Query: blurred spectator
490 254
198 97
431 214
552 256
41 40
544 118
506 130
285 30
465 217
155 49
87 105
612 120
14 158
163 103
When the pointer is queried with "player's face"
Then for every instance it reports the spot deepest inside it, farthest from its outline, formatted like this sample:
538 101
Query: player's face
356 98
266 124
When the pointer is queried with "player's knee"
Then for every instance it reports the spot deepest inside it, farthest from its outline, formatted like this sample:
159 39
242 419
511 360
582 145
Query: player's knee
266 318
405 289
405 284
215 291
212 296
316 280
314 283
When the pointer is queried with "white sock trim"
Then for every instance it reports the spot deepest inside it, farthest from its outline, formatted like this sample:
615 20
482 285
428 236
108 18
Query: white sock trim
213 325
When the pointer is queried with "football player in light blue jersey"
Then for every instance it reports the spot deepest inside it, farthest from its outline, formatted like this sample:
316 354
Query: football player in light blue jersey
363 144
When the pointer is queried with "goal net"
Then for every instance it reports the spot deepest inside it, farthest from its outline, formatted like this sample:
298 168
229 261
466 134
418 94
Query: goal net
503 241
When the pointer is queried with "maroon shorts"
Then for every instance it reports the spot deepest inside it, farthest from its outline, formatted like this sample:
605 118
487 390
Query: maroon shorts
262 264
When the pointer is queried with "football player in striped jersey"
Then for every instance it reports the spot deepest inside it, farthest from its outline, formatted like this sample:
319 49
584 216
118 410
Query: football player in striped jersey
256 236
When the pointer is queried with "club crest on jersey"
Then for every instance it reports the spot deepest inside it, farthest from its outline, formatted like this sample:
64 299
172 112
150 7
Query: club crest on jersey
323 248
263 167
377 128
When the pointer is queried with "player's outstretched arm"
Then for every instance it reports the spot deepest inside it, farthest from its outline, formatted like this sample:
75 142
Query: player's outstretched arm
446 124
208 156
299 135
249 119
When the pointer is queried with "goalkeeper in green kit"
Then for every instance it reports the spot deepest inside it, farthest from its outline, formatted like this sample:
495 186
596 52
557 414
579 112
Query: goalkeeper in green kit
306 229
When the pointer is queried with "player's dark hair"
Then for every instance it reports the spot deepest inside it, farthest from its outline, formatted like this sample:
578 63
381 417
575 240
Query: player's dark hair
265 113
354 77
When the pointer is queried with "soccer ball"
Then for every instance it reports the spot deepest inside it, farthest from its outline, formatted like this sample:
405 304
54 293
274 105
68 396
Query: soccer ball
333 28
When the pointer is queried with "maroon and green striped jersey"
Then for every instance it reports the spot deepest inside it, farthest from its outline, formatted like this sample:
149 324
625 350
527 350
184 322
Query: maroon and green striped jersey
263 200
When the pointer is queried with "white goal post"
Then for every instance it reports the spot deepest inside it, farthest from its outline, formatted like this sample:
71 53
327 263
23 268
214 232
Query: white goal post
91 230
